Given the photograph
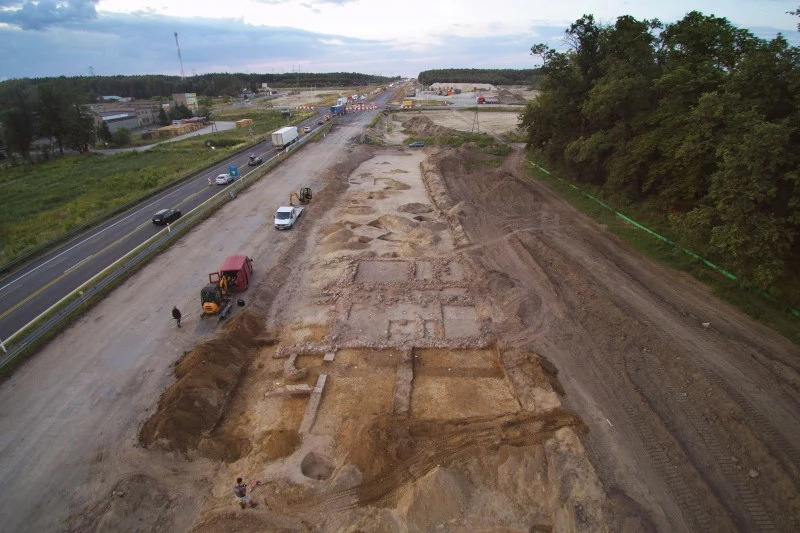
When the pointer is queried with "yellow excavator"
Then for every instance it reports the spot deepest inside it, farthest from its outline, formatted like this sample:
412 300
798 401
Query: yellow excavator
303 197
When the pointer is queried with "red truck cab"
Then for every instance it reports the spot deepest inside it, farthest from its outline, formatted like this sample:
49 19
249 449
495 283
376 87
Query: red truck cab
234 274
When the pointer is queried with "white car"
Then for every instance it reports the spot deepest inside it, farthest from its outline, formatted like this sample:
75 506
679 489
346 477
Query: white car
224 179
307 129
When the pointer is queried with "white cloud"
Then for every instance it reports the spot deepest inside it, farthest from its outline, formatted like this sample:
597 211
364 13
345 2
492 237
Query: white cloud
371 36
332 42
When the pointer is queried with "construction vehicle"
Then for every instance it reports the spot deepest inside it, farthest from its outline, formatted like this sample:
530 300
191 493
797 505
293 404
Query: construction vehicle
327 118
304 196
286 216
233 276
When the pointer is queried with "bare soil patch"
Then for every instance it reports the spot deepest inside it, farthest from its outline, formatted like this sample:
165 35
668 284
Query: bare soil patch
446 346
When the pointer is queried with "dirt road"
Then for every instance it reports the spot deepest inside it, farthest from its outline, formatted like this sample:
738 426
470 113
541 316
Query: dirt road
440 344
69 417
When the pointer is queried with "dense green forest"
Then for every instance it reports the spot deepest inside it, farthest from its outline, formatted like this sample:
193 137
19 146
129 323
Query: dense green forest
157 86
697 120
481 75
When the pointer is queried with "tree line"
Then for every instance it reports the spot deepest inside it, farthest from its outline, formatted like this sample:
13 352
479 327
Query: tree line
54 108
697 120
56 112
218 84
480 75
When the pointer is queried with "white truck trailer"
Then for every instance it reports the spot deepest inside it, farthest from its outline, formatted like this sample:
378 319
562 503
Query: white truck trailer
284 137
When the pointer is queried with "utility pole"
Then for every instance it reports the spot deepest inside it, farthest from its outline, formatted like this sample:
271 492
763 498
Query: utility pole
91 70
180 59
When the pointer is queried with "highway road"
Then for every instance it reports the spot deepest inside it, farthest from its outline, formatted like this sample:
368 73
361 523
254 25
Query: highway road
30 290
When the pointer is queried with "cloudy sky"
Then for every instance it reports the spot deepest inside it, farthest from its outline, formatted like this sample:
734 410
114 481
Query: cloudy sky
107 37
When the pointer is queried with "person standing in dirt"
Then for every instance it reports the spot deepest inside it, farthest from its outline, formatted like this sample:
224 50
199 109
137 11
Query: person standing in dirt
240 491
176 314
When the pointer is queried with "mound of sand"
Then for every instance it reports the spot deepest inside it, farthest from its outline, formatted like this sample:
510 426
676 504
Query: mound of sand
425 127
192 407
507 97
341 235
394 223
393 184
415 208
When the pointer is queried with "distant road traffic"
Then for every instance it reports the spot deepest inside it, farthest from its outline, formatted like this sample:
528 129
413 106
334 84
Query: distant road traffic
33 288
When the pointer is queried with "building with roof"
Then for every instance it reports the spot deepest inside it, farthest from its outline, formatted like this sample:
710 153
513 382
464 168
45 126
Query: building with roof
187 99
121 120
145 113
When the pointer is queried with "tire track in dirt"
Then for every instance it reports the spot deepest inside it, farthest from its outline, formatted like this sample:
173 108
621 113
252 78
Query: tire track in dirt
607 382
751 511
565 273
651 380
784 445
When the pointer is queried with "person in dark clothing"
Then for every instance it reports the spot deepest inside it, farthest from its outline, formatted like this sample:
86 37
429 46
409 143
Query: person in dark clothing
240 491
176 314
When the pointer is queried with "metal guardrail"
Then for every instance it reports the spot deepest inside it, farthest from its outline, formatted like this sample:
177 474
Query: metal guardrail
81 299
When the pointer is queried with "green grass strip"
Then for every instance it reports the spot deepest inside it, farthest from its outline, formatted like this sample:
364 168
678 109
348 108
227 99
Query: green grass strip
794 312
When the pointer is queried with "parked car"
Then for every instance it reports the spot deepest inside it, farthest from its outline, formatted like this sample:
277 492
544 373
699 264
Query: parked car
224 179
166 216
307 129
417 144
254 161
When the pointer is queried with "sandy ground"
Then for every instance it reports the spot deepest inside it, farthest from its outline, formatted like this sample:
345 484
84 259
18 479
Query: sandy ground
315 97
439 345
509 95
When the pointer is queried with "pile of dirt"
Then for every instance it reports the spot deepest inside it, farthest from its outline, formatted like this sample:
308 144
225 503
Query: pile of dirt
424 127
394 223
191 408
415 208
392 452
505 96
392 184
338 236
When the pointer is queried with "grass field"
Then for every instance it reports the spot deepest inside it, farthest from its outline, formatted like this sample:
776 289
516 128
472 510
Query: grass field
44 201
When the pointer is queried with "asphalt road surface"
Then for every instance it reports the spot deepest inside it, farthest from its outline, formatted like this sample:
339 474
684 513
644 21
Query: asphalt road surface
30 290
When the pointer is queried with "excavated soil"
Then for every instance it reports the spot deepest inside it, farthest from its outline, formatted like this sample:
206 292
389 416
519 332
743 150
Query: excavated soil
446 346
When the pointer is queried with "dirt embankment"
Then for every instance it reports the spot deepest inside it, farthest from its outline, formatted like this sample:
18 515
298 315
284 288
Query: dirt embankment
429 416
429 326
190 412
192 408
422 126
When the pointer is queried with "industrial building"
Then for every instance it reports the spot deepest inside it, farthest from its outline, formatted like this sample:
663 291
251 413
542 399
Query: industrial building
129 115
187 99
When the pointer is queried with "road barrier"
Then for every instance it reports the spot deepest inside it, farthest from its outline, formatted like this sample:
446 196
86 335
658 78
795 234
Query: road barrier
30 337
